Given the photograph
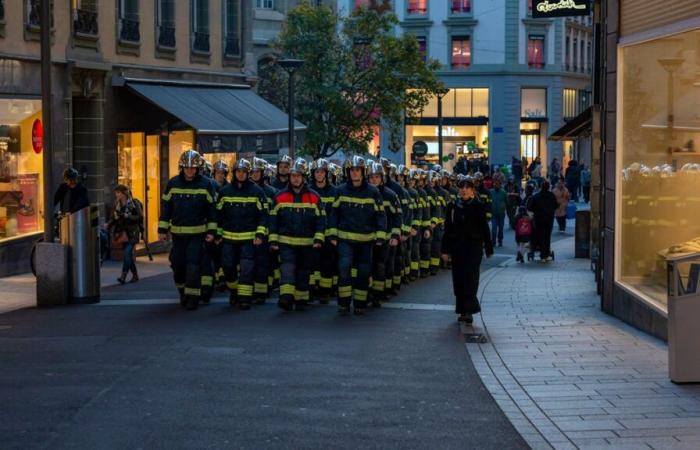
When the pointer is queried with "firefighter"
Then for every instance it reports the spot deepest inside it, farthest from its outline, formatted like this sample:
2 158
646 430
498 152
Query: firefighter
442 189
210 248
326 263
438 211
188 214
357 224
263 261
242 219
221 170
282 177
383 255
483 193
429 220
270 175
417 223
390 180
336 174
297 227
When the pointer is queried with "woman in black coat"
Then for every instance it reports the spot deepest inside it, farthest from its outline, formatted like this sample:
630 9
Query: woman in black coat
467 237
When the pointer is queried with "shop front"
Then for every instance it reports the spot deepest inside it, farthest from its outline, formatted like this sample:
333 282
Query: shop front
465 129
533 124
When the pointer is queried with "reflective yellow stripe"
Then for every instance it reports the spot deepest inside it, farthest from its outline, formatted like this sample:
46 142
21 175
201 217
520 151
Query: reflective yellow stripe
193 291
234 200
319 236
360 237
344 291
238 236
434 261
332 232
232 285
381 235
396 231
326 283
388 283
357 201
301 295
360 294
425 264
317 211
211 226
405 228
163 224
414 265
353 272
274 237
378 285
207 280
188 191
328 200
194 229
260 288
291 240
261 230
397 279
287 289
245 290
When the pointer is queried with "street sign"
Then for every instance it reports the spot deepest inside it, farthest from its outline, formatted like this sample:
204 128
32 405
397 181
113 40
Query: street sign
542 9
420 148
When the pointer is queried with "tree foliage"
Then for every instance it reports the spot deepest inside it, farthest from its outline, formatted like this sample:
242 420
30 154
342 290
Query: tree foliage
356 73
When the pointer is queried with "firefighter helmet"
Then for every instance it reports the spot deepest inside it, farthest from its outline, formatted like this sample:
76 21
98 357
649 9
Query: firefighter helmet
319 164
403 170
478 176
335 170
356 162
270 171
286 159
221 166
207 169
300 166
189 159
385 162
375 169
259 164
243 164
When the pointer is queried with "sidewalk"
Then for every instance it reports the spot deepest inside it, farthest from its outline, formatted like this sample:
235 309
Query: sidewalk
19 291
569 376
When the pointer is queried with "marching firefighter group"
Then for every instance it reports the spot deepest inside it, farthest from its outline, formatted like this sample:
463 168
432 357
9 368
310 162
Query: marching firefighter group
317 231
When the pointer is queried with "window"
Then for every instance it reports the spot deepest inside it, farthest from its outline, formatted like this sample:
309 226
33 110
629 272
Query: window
529 7
584 100
84 17
461 52
165 14
423 46
128 16
658 206
200 26
535 52
21 169
575 55
417 7
267 4
232 28
567 53
461 6
529 140
460 102
569 104
33 8
533 103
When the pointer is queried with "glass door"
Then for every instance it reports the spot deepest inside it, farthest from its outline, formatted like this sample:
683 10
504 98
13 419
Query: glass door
152 176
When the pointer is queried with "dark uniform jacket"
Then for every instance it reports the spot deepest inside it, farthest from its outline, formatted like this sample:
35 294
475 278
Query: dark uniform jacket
279 184
270 193
406 210
187 207
328 195
71 200
436 204
357 214
484 195
298 218
424 204
416 208
242 212
466 224
392 209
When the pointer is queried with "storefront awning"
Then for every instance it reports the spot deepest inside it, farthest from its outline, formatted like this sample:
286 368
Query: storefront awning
227 118
575 128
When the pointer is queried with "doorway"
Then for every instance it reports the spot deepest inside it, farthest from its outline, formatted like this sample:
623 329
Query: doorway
139 169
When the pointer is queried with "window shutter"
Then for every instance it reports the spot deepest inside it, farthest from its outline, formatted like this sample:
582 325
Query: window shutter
641 15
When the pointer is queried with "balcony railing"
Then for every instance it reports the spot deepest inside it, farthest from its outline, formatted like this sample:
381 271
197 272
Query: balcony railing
166 36
129 30
200 42
85 22
232 46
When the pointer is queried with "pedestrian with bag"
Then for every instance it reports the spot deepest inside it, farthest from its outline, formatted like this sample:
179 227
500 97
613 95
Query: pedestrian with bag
562 195
467 237
125 227
543 205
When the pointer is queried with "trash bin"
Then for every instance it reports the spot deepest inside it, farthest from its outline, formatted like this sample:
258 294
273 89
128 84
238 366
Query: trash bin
582 236
79 232
683 273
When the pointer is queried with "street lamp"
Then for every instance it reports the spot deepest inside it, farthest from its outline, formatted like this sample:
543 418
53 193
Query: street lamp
440 94
291 66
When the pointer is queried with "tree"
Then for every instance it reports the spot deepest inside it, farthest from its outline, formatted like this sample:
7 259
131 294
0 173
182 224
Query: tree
356 74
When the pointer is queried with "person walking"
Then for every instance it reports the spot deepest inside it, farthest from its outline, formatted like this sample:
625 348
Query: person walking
125 226
554 171
465 241
326 260
516 167
498 212
543 205
513 201
523 232
562 195
586 183
573 179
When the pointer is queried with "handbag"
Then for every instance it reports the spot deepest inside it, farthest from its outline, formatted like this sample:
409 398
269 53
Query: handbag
119 238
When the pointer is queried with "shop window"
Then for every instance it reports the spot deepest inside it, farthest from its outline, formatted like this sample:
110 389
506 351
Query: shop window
417 7
460 102
84 17
128 21
535 52
21 170
461 6
179 141
533 103
165 19
480 102
265 4
461 52
569 104
529 140
470 141
232 26
658 188
200 26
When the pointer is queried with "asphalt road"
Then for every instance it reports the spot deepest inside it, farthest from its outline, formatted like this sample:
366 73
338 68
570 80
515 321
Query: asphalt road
156 376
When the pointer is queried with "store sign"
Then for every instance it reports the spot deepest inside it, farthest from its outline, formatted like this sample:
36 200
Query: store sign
37 136
542 9
420 148
10 138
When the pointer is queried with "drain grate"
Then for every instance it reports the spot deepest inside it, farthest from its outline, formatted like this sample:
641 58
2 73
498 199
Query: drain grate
476 338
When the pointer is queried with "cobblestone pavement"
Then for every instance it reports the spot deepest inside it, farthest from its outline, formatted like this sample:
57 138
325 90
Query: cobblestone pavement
568 375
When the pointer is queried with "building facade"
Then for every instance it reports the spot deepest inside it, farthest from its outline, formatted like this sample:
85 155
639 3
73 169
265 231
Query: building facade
135 82
513 79
650 136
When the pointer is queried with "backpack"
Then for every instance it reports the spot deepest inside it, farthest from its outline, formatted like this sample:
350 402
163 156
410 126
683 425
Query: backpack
523 227
139 205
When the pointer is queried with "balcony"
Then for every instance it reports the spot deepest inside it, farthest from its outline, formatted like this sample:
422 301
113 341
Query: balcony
129 31
166 37
85 22
200 42
232 46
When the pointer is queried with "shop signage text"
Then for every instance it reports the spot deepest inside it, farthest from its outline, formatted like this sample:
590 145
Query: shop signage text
420 148
37 136
560 8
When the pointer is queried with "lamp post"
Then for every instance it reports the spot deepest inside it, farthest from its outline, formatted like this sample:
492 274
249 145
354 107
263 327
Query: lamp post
291 66
440 94
45 23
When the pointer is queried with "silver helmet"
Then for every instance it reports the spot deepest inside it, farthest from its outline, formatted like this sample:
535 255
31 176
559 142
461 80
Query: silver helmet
259 164
189 159
243 164
286 159
375 169
300 166
355 162
221 166
320 163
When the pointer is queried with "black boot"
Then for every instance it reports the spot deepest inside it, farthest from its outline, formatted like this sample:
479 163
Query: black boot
300 306
244 304
232 299
122 279
285 303
192 303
